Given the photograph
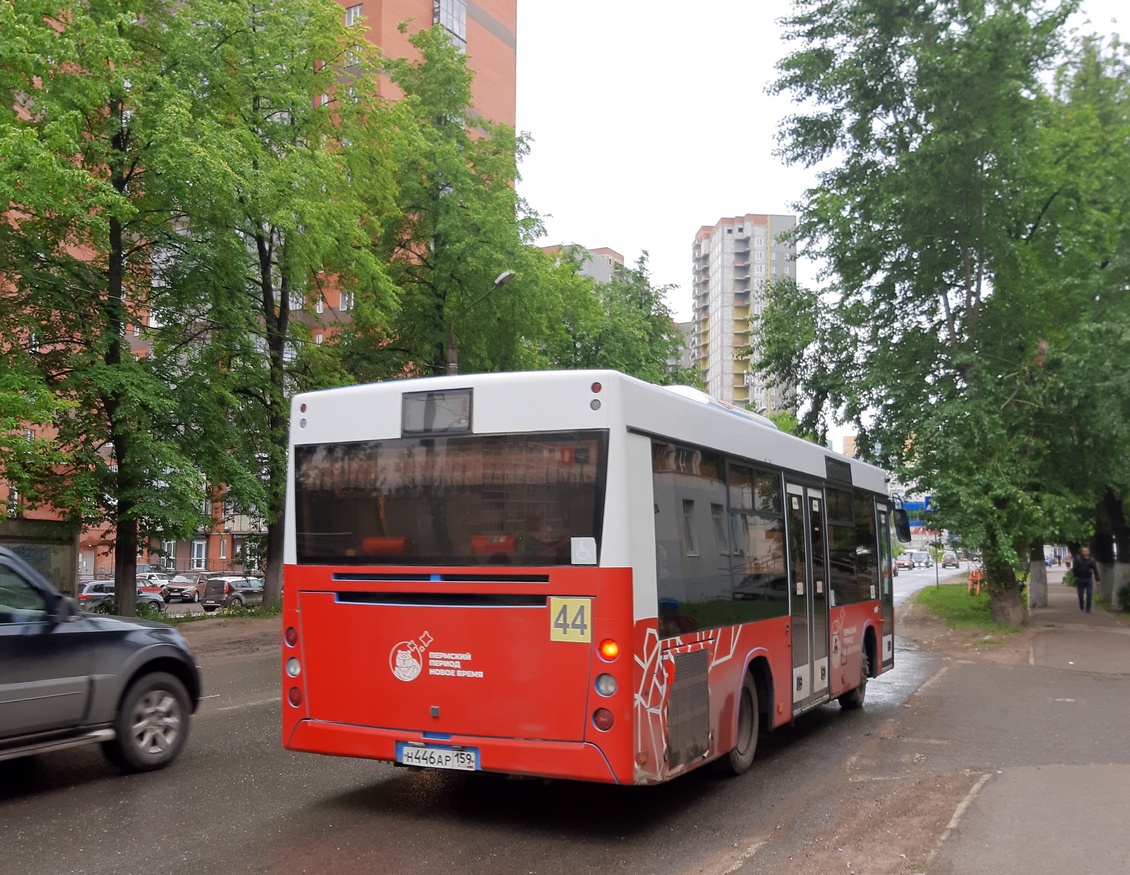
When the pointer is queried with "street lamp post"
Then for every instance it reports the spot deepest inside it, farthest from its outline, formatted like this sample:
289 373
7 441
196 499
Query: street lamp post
453 353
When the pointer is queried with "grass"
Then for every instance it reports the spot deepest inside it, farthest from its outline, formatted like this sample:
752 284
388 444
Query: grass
258 612
954 604
145 612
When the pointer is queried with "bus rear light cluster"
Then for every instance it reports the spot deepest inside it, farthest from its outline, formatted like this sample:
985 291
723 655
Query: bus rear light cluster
602 719
293 667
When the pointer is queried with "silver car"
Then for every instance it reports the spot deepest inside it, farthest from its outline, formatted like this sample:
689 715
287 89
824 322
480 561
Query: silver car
70 678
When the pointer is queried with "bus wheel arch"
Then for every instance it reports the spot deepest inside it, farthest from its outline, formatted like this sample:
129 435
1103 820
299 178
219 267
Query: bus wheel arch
753 713
854 698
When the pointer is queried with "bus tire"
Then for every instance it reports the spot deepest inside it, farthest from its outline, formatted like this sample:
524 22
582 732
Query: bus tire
741 757
853 700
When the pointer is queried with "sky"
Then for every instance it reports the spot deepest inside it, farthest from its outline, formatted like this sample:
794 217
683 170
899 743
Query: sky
649 121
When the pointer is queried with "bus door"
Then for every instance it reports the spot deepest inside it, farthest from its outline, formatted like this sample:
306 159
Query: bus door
808 569
886 582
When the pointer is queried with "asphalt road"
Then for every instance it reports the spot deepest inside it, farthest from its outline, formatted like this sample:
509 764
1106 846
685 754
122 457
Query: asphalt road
237 802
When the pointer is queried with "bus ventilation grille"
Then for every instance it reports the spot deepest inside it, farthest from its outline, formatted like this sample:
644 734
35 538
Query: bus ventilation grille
688 720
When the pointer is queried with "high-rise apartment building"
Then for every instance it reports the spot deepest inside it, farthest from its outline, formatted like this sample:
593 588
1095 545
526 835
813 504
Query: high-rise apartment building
485 30
733 262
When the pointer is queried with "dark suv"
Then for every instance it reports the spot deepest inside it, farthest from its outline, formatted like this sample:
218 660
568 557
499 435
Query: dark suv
69 678
232 592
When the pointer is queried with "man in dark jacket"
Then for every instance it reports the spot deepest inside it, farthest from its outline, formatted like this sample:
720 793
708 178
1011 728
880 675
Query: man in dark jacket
1085 572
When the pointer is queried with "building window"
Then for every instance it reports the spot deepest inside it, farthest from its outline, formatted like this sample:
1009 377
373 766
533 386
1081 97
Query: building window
318 339
346 302
451 15
759 269
353 14
318 306
295 301
223 548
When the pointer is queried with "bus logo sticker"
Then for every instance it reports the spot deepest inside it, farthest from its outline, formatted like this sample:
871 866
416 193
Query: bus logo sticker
407 658
570 620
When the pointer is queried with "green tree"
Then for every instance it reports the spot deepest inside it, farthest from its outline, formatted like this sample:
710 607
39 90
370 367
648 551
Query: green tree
82 131
623 324
941 199
289 141
459 225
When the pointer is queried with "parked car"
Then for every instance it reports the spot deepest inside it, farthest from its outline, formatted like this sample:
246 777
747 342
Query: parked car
98 597
231 592
905 560
949 560
72 678
185 588
151 585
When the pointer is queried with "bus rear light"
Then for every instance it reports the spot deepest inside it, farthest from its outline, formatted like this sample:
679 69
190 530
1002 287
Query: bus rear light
291 636
605 685
609 649
602 719
293 667
294 696
596 387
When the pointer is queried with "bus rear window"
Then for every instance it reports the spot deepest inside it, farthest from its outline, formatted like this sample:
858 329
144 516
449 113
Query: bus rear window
467 500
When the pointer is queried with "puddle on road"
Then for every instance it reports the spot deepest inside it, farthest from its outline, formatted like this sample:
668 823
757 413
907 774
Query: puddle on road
912 669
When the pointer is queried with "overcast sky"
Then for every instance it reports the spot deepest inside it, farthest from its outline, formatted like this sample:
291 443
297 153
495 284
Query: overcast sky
649 119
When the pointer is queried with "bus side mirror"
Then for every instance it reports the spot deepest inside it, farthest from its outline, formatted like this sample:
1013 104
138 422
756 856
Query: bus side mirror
902 525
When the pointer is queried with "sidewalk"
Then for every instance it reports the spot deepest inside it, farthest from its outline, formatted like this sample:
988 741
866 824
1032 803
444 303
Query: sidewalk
1054 783
1068 638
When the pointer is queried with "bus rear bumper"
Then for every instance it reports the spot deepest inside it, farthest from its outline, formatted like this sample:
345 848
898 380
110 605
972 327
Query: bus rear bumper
581 761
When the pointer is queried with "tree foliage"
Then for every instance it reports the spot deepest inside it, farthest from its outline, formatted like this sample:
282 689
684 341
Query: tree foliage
962 219
186 183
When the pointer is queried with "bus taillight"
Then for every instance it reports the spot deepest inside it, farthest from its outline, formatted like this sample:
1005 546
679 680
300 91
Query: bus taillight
609 650
294 696
602 719
291 636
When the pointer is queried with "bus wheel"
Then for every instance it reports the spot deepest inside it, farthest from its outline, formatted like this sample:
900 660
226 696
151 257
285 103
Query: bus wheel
741 757
854 699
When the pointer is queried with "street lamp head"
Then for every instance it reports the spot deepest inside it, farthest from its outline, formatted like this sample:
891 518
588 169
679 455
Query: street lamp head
503 278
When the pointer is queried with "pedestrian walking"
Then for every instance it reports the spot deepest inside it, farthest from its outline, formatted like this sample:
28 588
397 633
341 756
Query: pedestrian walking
1086 572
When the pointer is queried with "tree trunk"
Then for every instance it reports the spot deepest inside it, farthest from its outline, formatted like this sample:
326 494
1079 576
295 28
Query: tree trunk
1004 588
1038 578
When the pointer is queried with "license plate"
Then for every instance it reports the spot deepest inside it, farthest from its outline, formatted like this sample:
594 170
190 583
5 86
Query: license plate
464 760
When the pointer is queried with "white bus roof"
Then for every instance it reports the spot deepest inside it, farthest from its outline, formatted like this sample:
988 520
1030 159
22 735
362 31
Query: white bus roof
533 401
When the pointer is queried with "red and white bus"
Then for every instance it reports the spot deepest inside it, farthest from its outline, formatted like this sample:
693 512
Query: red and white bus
570 574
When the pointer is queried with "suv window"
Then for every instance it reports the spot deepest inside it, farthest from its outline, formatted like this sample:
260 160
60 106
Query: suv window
20 602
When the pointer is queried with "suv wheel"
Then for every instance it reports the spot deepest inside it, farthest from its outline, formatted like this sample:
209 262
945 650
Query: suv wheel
151 724
196 596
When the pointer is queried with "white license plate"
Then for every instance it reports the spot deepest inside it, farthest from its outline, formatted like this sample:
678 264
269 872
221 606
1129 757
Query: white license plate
464 760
